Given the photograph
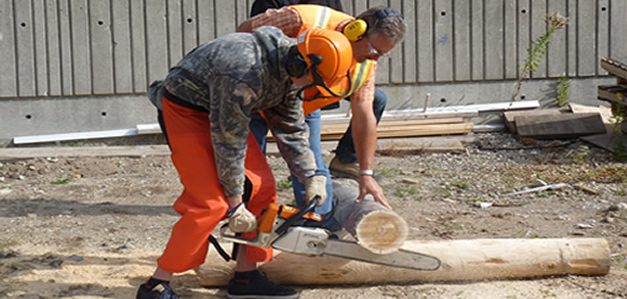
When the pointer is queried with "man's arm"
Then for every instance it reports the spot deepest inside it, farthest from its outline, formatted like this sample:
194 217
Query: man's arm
229 133
285 18
364 126
287 123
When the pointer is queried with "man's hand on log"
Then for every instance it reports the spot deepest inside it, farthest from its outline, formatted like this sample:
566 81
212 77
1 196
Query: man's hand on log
368 185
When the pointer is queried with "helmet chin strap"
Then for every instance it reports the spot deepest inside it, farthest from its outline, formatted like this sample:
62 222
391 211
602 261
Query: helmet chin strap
316 60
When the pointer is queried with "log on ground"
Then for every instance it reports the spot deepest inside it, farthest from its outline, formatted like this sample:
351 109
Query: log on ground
462 260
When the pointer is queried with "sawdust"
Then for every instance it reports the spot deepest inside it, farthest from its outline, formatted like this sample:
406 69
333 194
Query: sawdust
93 227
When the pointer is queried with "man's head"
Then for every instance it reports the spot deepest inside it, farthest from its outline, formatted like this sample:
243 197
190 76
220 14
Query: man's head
385 28
321 58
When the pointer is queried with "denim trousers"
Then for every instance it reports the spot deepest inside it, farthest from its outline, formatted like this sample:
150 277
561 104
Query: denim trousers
345 150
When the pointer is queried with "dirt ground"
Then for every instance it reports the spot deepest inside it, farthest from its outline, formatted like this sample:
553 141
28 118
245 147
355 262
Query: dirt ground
92 227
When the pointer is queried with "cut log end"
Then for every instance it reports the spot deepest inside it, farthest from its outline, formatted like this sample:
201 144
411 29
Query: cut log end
382 232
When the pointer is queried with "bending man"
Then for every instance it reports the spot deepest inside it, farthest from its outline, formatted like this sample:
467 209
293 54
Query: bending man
205 102
374 33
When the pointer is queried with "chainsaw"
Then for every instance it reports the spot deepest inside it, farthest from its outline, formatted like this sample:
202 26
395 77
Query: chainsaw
281 227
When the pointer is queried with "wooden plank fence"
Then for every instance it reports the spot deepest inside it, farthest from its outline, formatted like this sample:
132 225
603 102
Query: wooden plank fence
66 48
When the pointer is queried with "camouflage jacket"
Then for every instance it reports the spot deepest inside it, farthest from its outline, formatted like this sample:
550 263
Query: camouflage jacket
232 77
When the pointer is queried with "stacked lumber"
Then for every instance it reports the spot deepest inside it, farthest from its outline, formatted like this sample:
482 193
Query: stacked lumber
391 128
615 94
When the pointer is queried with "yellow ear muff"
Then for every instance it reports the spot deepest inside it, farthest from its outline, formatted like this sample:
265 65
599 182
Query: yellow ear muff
355 30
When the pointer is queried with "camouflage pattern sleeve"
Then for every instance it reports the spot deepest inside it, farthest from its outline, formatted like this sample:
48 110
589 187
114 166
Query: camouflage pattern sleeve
229 130
287 123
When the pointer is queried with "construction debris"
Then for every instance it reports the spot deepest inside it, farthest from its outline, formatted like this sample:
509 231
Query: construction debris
615 94
615 135
509 117
559 126
557 186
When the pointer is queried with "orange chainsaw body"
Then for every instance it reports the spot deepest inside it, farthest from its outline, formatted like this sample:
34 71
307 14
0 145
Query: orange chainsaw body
269 216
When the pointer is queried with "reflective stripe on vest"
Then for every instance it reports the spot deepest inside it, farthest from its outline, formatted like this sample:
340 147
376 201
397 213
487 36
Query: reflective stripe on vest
360 73
326 18
322 17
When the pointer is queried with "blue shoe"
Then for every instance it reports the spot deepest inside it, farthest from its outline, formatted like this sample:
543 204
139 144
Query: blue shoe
159 291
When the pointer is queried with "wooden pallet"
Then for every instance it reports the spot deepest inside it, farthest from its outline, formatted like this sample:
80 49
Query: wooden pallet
615 68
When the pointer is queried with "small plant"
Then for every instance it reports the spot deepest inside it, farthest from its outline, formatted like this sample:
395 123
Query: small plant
6 243
389 172
620 152
405 191
445 192
460 184
538 49
548 293
617 120
61 181
472 200
581 154
283 185
562 91
618 114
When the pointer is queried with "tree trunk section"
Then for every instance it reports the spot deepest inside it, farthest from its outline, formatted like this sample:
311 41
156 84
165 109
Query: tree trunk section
375 227
462 260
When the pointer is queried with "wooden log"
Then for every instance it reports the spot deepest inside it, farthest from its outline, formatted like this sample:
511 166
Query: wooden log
375 227
462 260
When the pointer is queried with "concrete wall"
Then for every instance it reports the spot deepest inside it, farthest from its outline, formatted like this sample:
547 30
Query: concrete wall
84 65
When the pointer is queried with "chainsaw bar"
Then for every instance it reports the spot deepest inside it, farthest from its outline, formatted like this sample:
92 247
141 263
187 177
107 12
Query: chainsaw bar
401 259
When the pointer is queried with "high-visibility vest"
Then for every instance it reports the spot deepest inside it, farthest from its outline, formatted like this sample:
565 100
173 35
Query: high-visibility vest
315 16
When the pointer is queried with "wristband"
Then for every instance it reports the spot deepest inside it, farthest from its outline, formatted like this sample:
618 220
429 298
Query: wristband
368 172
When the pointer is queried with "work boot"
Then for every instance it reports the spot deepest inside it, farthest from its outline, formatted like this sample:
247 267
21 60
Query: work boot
161 290
344 170
255 284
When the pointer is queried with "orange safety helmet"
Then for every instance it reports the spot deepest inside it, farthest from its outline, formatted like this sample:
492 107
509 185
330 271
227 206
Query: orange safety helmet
328 56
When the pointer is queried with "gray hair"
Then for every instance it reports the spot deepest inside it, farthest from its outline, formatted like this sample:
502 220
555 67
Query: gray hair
385 21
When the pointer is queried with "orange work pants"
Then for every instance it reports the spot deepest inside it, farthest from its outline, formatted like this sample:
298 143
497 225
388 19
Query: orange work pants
203 202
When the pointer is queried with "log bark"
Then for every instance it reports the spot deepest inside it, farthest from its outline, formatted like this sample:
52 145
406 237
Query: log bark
375 227
462 260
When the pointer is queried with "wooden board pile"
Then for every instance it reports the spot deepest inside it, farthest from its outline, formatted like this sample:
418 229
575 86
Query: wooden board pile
404 127
616 94
596 125
441 130
554 123
615 139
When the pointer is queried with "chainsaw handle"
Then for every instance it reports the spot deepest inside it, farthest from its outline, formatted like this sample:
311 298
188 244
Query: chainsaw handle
299 216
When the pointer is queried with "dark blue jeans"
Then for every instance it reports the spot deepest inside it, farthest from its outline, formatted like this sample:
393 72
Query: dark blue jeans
260 129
